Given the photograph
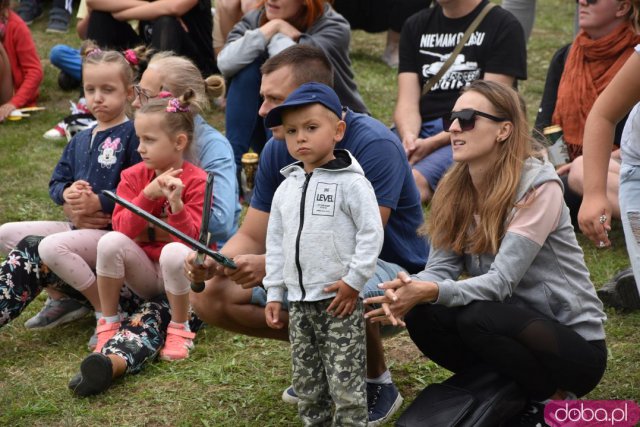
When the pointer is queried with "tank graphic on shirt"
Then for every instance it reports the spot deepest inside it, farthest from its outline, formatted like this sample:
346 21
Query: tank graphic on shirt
459 74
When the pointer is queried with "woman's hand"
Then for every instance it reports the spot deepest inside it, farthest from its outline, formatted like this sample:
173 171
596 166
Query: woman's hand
400 296
595 209
153 190
384 314
275 26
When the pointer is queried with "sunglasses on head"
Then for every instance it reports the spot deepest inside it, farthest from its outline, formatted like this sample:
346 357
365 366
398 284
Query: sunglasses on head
589 2
467 118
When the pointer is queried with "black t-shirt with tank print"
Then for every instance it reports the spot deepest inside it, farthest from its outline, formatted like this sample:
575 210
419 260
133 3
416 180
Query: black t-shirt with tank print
428 37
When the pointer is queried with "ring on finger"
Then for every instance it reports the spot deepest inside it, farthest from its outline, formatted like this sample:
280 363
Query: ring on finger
603 219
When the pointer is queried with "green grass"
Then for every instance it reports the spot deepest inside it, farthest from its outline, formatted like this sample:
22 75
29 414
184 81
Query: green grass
230 379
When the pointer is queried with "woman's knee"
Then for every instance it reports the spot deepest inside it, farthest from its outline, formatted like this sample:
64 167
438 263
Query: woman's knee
472 317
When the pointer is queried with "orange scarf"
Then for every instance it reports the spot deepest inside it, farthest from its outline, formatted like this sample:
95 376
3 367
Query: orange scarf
590 66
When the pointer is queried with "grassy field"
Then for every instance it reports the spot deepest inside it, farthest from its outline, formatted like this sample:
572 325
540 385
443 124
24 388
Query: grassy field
230 379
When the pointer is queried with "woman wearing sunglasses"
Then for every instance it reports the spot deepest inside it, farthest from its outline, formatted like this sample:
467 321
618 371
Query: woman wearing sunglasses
578 73
526 306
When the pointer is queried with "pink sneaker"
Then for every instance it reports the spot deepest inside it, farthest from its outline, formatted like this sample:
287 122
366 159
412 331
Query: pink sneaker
105 331
178 343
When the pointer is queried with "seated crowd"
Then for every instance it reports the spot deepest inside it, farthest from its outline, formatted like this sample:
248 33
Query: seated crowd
334 251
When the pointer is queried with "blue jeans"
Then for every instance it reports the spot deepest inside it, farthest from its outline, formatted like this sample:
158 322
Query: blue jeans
67 59
245 128
629 197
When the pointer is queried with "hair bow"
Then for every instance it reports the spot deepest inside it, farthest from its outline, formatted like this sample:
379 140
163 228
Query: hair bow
174 106
131 57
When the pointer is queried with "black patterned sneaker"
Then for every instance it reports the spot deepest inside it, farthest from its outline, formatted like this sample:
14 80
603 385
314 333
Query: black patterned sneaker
58 20
29 11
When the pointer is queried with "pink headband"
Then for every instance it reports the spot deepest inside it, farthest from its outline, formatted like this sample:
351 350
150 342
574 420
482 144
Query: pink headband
131 57
164 94
174 106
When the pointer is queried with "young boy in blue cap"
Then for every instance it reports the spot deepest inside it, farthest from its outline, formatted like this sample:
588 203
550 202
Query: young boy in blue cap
323 240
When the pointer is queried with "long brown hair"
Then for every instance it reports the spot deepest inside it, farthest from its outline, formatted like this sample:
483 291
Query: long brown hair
311 11
451 224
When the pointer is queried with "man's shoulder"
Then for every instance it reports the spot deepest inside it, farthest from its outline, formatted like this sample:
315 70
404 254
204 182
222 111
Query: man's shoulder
363 130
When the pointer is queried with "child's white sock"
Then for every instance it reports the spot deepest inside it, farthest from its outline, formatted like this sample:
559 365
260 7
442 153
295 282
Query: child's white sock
98 315
385 378
184 325
112 319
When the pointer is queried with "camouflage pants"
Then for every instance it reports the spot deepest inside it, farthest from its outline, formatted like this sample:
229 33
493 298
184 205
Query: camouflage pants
329 364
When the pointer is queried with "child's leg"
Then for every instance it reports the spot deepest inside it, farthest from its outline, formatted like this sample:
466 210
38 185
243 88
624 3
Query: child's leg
67 59
72 256
6 78
341 345
12 232
308 373
176 284
120 257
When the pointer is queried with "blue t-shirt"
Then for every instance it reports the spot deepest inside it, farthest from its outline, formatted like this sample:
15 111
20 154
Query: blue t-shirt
385 164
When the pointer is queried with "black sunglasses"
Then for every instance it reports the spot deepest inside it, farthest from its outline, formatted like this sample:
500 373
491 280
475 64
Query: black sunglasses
589 2
467 118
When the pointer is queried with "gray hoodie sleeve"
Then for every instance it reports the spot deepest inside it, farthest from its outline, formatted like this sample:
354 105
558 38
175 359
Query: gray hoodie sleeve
273 281
242 51
515 256
441 265
363 209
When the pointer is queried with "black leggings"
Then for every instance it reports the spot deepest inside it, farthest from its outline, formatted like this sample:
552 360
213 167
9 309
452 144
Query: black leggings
110 33
162 34
541 355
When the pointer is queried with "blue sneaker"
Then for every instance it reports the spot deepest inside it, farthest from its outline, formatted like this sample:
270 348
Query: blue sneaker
290 396
383 400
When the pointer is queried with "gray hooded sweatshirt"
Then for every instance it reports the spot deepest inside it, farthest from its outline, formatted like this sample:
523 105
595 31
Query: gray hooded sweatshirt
551 279
331 33
323 227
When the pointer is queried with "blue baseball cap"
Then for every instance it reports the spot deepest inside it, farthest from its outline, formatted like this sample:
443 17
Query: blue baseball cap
308 93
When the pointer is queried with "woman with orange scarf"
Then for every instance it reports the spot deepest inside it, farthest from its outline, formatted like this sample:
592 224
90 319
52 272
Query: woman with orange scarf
607 37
